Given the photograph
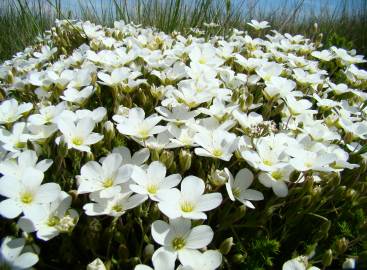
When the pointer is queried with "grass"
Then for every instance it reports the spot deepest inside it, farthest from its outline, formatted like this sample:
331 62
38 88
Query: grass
21 21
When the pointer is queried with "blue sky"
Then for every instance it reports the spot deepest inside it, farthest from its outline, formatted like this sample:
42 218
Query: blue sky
308 7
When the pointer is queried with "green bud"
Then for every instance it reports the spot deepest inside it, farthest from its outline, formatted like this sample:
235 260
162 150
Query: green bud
341 245
141 97
218 177
238 258
94 45
10 77
173 167
95 225
90 156
348 137
148 251
226 245
184 159
135 260
340 191
63 148
108 131
118 237
127 101
351 193
166 158
249 100
327 259
154 154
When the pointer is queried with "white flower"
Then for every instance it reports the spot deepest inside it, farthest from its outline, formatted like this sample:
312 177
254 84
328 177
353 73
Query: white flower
114 206
179 114
153 180
97 264
138 158
276 179
162 260
297 107
27 194
178 236
47 115
259 25
10 111
195 260
190 202
299 263
107 179
324 55
183 136
205 55
12 255
26 159
304 160
137 125
269 70
50 219
349 263
123 76
77 96
238 188
216 144
247 120
79 136
278 87
15 140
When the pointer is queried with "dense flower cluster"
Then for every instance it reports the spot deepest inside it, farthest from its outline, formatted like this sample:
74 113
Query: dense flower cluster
130 118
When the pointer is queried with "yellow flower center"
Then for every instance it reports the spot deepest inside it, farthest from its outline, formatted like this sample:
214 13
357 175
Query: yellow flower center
308 164
268 162
53 221
108 183
236 192
202 60
144 133
20 144
187 206
26 197
152 188
77 141
178 243
117 208
277 175
217 152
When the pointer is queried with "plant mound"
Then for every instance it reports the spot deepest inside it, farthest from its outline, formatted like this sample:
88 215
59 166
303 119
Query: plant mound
129 148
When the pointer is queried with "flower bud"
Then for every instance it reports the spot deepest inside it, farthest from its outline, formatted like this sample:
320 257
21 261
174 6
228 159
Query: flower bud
341 245
108 131
97 264
89 156
63 148
327 259
95 225
148 250
219 177
226 245
166 158
238 258
349 263
351 193
184 159
315 27
10 77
